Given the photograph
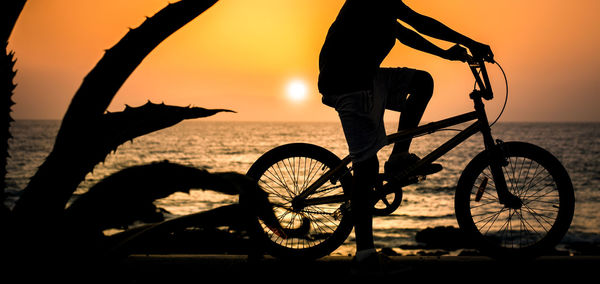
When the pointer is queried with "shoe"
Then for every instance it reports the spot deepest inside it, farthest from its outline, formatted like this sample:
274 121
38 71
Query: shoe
378 265
398 163
374 264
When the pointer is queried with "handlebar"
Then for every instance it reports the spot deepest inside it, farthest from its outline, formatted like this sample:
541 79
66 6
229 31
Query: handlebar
477 59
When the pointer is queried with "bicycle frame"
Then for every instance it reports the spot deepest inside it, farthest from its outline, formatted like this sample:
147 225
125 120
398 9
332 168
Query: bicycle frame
480 125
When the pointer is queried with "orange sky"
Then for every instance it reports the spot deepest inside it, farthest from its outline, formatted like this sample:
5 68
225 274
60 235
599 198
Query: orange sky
241 54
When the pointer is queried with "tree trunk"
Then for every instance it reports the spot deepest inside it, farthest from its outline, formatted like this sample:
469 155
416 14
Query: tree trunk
11 9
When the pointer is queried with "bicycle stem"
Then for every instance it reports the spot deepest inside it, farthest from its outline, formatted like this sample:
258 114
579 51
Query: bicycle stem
485 87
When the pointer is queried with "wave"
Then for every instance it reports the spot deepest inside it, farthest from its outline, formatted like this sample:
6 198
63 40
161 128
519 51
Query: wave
423 217
435 189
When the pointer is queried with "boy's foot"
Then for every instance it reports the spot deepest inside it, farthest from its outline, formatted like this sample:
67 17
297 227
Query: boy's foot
376 264
397 163
373 263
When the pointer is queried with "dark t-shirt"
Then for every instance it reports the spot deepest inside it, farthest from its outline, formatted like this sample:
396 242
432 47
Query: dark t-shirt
357 42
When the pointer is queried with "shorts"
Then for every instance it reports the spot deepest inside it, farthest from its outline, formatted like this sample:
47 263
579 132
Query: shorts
361 112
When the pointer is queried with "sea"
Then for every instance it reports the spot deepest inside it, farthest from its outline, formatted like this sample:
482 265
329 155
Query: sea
234 146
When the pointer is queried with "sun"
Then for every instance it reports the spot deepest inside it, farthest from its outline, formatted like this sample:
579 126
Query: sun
296 90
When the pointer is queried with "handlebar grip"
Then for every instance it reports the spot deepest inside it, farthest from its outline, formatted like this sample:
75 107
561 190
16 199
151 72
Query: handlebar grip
477 59
473 62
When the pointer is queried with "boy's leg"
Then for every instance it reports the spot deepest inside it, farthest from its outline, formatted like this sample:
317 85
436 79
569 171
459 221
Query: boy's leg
365 176
409 92
420 89
361 115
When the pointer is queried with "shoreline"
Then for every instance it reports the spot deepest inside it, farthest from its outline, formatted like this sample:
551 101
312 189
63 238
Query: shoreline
432 241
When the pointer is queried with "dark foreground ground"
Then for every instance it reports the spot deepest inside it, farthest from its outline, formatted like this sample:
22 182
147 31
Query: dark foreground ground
435 258
177 268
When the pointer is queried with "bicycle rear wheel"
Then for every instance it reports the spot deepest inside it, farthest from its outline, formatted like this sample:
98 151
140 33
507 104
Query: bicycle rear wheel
313 231
546 192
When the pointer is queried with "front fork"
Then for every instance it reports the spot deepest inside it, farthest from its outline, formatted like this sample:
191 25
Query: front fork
497 161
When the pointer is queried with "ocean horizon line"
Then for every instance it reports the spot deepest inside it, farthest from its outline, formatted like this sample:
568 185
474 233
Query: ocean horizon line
329 121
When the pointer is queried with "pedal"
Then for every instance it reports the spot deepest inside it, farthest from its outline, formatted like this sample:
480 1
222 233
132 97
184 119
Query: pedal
392 181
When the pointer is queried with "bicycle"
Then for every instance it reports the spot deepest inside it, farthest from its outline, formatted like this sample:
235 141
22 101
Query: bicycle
512 199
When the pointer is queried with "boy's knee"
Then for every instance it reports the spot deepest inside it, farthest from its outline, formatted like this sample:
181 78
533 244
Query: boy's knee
422 86
424 79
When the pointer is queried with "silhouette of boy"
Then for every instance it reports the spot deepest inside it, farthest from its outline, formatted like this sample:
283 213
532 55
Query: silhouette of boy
352 82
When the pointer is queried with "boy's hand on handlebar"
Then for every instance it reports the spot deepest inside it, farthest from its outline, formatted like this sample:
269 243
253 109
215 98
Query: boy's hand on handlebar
457 53
481 51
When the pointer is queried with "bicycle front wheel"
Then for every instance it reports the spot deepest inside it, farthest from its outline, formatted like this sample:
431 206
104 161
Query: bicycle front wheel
546 192
312 231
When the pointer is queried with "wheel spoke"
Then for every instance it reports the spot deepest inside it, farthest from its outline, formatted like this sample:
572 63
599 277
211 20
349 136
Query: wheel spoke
529 176
315 229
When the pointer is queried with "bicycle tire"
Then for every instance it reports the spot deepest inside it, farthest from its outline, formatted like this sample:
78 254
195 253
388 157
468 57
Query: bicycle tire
285 171
548 202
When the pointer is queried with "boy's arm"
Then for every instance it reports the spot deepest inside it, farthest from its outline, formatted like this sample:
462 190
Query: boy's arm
412 39
434 28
